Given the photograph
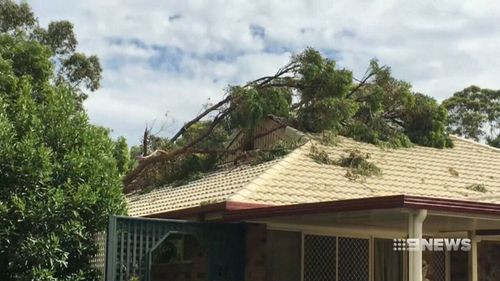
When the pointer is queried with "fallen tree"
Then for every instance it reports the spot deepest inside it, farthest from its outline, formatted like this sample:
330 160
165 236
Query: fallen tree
311 94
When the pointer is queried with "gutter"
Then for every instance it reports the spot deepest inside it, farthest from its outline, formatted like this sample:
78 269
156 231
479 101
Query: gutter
371 203
239 211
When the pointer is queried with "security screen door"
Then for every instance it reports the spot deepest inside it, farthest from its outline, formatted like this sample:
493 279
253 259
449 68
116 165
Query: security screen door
331 258
157 250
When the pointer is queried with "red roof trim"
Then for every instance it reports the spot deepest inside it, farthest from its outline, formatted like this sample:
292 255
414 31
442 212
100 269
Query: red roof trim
209 208
191 212
449 205
373 203
234 205
317 208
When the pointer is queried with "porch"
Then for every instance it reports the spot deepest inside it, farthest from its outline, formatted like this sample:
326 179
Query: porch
350 240
360 246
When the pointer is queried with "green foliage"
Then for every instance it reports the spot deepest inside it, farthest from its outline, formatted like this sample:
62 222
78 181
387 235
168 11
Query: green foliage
318 78
475 113
312 94
121 154
320 156
58 176
357 165
26 58
187 167
495 142
425 122
59 37
390 114
381 110
76 69
326 114
356 162
15 17
323 92
328 138
79 68
252 105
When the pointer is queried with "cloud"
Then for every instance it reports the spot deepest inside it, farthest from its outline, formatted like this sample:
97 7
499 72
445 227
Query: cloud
173 56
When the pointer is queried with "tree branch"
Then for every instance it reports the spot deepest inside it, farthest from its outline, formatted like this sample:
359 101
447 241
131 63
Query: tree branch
200 116
162 155
258 83
361 84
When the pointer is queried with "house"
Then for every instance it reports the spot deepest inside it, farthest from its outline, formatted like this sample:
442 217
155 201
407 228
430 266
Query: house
296 218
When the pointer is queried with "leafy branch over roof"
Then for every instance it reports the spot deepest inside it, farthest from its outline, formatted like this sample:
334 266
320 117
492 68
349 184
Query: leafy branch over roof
310 93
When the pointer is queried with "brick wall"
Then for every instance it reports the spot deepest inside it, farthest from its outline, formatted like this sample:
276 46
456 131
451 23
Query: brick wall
256 260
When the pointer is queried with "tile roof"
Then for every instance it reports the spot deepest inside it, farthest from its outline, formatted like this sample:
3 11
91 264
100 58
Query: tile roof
296 178
213 188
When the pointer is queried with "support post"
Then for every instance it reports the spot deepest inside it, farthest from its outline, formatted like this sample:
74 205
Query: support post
415 230
473 258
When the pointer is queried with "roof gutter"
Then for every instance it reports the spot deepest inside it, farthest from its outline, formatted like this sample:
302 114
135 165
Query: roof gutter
239 211
200 212
372 203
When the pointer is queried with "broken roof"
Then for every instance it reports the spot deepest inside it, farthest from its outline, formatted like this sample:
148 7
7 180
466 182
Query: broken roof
452 173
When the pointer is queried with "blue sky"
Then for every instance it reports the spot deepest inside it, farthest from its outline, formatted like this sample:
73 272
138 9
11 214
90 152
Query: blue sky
163 60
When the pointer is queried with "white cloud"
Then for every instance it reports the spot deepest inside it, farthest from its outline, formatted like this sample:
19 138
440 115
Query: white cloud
440 47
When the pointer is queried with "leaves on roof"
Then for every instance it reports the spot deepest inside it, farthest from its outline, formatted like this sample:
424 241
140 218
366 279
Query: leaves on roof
453 172
357 165
479 187
356 162
320 156
329 138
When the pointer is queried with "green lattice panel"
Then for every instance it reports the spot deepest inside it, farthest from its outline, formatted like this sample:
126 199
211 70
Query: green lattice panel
131 239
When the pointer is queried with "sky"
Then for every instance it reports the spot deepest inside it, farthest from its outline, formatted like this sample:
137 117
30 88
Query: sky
163 60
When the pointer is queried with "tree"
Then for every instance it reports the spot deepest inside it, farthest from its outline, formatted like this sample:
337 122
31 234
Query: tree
76 69
312 94
122 155
475 113
58 177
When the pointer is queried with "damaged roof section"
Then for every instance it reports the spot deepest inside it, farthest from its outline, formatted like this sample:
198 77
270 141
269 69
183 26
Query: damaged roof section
297 178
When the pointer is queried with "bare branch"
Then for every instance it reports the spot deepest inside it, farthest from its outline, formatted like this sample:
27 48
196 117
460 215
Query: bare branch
200 116
145 141
161 155
361 83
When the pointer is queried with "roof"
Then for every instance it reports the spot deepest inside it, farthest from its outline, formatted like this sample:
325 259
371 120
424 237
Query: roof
297 179
213 188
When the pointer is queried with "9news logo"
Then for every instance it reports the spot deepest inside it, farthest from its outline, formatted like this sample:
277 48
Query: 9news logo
432 244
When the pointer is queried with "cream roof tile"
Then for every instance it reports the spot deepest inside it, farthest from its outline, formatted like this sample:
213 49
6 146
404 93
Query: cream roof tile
418 171
296 178
215 187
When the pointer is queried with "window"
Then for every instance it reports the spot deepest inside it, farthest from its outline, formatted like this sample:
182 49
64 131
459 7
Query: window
283 255
353 261
320 255
330 258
